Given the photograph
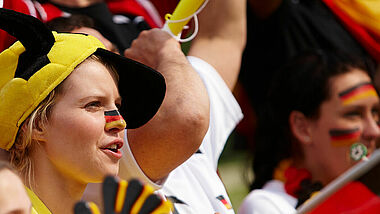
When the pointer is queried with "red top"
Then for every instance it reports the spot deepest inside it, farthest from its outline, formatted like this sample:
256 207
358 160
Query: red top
355 197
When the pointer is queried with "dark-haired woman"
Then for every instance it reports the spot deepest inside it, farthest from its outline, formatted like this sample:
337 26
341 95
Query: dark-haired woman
320 106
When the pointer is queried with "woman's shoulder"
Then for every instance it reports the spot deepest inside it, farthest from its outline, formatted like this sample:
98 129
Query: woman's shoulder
272 198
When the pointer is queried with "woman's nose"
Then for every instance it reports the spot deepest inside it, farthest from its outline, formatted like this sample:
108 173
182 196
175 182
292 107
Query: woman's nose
371 129
114 121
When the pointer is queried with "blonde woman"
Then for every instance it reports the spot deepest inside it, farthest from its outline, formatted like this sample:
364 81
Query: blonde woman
61 109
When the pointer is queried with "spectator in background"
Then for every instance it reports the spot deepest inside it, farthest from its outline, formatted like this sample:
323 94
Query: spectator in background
80 24
119 21
319 105
13 197
279 29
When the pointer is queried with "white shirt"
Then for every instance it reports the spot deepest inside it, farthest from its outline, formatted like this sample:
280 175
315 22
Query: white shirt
271 199
195 185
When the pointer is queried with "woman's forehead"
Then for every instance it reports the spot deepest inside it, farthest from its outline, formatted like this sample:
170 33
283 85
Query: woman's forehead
344 83
89 75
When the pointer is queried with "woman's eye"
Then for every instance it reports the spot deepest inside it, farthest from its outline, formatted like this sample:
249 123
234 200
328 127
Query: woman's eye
375 114
353 114
93 105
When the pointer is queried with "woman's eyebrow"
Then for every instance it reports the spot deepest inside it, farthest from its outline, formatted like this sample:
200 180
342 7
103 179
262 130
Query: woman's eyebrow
349 90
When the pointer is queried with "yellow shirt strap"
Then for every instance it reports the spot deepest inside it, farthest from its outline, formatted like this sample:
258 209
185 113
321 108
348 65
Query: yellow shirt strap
38 207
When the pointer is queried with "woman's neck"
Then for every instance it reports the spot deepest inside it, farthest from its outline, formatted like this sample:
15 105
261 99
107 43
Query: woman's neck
57 191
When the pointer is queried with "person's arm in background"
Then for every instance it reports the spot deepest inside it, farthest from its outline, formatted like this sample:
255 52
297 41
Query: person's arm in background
222 37
177 130
264 8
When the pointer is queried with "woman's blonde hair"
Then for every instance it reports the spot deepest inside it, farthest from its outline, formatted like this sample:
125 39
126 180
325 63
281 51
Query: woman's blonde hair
20 153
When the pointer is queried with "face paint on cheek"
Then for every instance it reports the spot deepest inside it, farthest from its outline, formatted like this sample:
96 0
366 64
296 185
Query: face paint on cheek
344 137
360 91
114 120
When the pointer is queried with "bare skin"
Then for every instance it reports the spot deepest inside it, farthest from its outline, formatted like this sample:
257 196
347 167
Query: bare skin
75 3
177 130
220 42
72 149
12 188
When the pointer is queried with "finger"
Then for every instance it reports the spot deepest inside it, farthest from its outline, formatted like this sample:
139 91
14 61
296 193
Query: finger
166 207
146 191
155 204
134 190
120 197
83 207
110 189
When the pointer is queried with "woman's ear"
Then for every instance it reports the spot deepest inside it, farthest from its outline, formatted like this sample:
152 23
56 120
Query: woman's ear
38 133
299 126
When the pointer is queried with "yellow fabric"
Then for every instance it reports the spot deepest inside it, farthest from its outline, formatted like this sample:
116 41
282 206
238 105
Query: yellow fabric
364 12
38 207
279 171
20 97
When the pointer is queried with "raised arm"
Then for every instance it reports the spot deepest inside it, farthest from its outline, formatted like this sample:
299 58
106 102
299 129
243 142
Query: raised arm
178 128
222 37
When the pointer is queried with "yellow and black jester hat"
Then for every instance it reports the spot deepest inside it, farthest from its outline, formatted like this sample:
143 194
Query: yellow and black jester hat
32 67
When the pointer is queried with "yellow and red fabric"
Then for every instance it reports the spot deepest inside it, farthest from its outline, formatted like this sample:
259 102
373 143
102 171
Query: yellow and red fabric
291 176
361 18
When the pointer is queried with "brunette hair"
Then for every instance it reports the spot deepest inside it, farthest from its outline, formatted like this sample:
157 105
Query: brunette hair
68 24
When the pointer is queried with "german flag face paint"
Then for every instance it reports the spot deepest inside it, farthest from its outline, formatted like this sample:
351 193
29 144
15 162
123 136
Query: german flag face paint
114 120
360 91
344 137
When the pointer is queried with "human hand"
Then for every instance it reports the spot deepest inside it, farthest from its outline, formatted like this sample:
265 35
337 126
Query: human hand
154 47
125 197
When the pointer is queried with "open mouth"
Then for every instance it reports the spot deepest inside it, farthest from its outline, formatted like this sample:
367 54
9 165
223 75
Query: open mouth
113 149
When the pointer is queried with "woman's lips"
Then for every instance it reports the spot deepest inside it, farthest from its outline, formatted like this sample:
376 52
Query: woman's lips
113 149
